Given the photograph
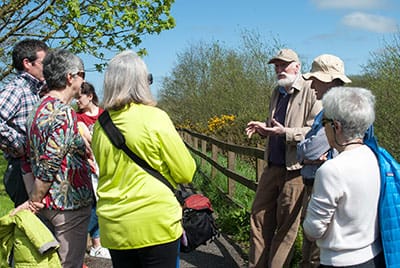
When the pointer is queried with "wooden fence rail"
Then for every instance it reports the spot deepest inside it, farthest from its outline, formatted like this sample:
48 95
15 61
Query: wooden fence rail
201 144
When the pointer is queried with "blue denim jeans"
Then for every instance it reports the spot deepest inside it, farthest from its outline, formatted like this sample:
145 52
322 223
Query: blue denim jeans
93 228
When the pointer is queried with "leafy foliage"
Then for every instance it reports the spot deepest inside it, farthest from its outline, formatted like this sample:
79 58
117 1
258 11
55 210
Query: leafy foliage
382 75
210 80
5 202
82 26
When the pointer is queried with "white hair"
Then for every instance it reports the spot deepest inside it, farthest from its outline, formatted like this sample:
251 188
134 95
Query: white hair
353 107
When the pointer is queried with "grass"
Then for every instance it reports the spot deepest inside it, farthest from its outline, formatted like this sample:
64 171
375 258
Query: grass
242 195
5 202
233 218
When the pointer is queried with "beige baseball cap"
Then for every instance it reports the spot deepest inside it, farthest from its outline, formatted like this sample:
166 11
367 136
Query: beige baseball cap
327 68
285 54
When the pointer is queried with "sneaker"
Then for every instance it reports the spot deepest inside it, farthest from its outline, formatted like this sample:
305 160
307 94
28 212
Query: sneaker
99 252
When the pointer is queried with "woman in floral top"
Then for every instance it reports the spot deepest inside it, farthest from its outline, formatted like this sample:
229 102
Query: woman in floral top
62 190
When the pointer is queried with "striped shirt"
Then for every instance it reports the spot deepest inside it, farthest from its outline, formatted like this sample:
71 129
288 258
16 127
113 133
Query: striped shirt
17 100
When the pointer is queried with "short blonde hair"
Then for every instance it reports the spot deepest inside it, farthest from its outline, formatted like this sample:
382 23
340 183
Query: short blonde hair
126 81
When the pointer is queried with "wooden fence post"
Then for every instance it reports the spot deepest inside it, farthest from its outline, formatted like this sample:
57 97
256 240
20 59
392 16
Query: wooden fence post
214 155
231 166
195 143
260 164
204 151
188 139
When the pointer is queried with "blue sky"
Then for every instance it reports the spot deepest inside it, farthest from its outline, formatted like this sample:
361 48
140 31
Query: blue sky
350 29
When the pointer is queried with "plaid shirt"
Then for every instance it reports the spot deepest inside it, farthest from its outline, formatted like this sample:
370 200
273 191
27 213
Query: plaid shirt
17 100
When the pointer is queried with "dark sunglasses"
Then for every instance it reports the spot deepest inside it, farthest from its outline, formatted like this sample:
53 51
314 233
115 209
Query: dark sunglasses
325 121
81 74
150 79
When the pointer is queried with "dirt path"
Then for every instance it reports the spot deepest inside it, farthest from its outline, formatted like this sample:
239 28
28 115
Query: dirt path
218 254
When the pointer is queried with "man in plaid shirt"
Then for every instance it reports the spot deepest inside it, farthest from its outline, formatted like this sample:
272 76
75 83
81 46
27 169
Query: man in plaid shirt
17 100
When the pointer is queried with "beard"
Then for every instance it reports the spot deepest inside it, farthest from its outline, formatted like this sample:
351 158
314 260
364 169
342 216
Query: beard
288 80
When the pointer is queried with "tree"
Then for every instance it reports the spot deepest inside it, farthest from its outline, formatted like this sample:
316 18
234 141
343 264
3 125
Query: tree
211 83
83 26
382 73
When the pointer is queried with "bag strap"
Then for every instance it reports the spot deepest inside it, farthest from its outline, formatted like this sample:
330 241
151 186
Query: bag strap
118 140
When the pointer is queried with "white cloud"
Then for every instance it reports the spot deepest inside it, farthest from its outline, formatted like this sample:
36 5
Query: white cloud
353 4
373 23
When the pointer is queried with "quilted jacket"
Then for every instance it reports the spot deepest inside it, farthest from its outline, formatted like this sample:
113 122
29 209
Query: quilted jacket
389 205
34 245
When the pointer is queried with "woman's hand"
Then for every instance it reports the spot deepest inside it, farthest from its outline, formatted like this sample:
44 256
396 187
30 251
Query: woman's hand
30 205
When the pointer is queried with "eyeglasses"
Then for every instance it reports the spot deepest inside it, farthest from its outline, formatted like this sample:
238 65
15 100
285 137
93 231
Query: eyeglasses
325 121
150 79
80 73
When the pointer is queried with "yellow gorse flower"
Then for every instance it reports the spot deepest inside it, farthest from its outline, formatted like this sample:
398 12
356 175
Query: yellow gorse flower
217 123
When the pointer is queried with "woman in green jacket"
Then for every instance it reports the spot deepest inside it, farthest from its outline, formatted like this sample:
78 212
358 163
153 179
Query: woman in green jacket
139 217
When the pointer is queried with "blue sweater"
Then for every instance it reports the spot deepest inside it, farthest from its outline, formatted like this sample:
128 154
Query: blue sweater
316 144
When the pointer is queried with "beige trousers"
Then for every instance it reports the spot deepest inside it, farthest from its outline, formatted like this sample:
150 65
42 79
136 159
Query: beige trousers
275 217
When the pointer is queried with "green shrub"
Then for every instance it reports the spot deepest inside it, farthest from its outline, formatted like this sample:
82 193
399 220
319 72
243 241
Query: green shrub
5 202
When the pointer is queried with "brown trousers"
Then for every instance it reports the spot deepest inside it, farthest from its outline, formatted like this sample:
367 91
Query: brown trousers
310 250
70 228
275 217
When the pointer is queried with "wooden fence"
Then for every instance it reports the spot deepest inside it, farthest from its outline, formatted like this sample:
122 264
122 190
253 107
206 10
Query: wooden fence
201 145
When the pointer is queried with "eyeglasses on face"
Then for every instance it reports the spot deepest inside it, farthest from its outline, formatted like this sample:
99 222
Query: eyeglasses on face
325 121
80 73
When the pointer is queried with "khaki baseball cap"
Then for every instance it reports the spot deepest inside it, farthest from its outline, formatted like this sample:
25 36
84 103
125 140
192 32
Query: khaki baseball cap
285 54
327 68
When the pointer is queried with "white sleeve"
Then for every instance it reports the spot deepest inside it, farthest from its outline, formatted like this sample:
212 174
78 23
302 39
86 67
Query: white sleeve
324 201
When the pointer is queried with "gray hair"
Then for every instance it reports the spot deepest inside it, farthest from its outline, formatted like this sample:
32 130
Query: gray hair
57 65
353 107
126 81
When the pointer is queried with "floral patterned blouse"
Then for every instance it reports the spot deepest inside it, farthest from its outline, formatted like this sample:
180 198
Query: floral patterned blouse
57 154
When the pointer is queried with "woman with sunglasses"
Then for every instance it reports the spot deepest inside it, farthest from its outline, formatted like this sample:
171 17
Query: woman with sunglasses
342 215
62 191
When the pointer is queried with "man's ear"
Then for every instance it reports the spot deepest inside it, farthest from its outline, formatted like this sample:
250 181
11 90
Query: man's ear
27 64
298 67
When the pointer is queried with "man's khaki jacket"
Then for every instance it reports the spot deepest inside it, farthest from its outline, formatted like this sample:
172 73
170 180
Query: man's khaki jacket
303 106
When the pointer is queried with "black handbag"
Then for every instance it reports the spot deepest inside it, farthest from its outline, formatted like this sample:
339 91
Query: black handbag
197 221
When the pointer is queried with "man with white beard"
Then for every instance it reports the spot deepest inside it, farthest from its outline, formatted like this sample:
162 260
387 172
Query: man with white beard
275 214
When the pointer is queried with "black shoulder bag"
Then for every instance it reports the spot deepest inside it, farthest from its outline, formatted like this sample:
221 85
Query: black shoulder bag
198 224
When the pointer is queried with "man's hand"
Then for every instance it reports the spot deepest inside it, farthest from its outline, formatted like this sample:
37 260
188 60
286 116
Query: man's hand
262 129
256 127
11 151
277 128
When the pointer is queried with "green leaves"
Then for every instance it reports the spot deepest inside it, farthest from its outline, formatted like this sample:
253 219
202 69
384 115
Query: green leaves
83 26
382 76
212 80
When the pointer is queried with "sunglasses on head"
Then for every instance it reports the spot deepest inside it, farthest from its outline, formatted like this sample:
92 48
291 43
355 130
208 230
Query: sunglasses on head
81 74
